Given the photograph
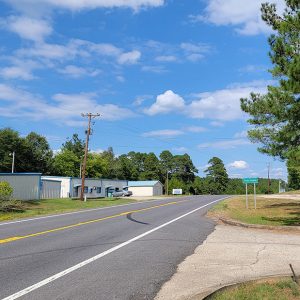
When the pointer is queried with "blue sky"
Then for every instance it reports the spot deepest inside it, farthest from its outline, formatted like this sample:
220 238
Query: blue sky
163 74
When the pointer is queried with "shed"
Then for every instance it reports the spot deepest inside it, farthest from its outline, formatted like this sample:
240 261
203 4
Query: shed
145 188
26 186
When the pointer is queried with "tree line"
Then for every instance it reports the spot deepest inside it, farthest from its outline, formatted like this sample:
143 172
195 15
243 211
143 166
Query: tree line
33 154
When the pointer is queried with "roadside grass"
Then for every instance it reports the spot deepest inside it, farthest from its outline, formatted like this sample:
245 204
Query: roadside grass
55 206
279 289
270 211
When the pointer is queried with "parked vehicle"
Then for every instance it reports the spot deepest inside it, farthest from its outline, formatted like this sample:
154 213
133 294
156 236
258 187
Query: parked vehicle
123 193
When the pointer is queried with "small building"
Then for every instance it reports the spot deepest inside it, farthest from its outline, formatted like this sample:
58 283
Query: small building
94 187
26 186
146 188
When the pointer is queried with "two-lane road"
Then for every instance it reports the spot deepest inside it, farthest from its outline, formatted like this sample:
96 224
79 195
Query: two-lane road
123 252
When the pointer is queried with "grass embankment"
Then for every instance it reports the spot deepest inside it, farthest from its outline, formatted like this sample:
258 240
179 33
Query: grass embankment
279 289
270 211
55 206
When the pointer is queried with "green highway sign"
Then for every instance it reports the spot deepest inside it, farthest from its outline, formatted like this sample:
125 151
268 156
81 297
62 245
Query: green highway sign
250 180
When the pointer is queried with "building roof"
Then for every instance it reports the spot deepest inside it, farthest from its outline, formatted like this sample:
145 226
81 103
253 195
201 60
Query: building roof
143 183
20 174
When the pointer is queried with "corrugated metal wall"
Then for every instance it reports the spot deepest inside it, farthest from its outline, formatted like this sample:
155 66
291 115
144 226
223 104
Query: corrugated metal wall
26 186
50 189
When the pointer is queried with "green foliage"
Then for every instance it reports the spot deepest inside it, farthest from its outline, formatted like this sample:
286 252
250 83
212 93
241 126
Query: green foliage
75 145
175 183
217 177
275 115
66 163
6 190
6 201
32 153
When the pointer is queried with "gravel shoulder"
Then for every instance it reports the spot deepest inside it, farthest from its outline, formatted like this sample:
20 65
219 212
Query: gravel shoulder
233 255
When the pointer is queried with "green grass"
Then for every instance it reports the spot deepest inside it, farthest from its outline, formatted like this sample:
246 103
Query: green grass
275 212
279 289
55 206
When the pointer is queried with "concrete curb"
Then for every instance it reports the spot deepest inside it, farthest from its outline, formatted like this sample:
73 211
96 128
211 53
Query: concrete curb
257 226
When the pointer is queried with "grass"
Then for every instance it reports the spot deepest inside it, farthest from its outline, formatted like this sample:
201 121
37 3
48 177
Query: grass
279 289
270 211
55 206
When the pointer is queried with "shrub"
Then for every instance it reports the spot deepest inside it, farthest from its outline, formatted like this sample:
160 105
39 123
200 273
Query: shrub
6 201
5 190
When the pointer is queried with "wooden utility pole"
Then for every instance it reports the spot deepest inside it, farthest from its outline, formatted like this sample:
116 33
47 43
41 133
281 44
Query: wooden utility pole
90 116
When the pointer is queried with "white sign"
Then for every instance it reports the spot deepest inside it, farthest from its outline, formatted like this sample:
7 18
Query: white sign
177 192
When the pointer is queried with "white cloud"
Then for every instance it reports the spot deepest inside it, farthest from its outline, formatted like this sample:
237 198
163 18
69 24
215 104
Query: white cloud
77 72
195 129
230 144
242 134
246 18
20 69
154 69
216 124
221 105
64 108
195 52
166 103
167 133
166 58
238 164
31 6
180 149
28 28
129 58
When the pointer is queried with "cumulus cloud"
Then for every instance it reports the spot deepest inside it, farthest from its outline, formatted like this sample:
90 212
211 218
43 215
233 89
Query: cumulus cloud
29 28
166 103
166 58
62 108
238 164
220 105
245 18
129 58
167 133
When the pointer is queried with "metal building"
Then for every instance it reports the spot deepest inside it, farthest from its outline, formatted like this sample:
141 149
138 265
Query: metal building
94 188
26 186
145 188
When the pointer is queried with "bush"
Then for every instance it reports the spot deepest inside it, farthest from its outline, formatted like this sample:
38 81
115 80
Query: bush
6 201
5 190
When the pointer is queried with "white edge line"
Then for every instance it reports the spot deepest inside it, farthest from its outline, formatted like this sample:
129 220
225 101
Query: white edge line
90 260
81 211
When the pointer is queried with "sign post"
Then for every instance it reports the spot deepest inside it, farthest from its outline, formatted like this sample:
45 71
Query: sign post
253 181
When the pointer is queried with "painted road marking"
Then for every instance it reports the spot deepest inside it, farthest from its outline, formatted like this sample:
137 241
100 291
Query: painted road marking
92 259
82 211
15 238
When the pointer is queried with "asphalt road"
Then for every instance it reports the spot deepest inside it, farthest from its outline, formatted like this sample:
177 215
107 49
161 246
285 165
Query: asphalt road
124 252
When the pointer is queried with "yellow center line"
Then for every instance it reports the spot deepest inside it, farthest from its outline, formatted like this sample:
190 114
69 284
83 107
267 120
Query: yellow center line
15 238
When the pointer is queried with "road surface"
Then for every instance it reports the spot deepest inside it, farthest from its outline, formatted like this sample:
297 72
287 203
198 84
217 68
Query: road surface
122 252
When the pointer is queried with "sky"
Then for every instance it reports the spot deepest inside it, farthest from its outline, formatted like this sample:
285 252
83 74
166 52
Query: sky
163 74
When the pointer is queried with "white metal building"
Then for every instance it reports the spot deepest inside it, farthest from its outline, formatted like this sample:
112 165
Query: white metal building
51 189
26 186
94 188
145 188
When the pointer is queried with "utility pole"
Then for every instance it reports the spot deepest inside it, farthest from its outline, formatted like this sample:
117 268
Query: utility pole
167 183
13 161
269 182
90 116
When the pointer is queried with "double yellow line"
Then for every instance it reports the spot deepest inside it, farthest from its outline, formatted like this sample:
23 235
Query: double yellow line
15 238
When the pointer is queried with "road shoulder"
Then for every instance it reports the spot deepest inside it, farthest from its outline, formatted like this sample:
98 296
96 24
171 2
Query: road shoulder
232 255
